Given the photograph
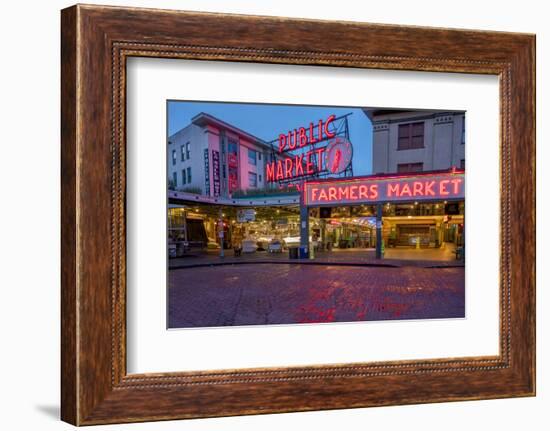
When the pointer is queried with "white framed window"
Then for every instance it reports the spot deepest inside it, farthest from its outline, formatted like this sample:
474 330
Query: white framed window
410 167
410 136
252 180
232 147
252 157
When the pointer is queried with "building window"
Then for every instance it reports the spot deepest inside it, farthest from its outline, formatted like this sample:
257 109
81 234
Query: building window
187 153
260 178
232 147
182 148
251 157
189 175
183 179
174 157
410 167
463 164
175 179
411 136
252 179
260 157
463 130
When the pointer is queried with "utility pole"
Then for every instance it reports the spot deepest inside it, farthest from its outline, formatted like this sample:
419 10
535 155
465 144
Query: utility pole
379 231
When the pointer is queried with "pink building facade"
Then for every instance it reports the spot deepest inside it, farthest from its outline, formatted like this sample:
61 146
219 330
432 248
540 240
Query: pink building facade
214 158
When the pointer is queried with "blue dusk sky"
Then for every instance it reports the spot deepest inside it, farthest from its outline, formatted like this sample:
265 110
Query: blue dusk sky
268 121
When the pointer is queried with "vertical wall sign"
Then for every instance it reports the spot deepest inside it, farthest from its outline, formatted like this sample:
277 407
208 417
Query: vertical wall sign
216 172
206 173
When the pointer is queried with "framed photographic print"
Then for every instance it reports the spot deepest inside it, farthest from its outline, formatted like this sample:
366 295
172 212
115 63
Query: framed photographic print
296 215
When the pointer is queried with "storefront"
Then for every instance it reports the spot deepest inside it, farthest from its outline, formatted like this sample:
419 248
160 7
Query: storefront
421 210
382 213
204 224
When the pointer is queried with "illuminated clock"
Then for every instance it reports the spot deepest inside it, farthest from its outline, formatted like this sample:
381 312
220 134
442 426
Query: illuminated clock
338 155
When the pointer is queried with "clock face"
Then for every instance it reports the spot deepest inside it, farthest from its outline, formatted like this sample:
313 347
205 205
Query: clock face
338 155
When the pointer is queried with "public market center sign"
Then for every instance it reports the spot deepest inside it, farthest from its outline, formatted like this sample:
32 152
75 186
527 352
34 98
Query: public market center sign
376 189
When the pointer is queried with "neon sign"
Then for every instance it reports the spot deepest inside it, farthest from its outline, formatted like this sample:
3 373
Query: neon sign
298 138
292 163
385 189
296 166
338 155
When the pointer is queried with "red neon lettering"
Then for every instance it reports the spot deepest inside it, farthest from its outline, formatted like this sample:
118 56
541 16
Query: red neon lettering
313 193
299 138
309 163
298 166
312 139
429 188
363 192
417 188
456 183
343 193
282 142
302 137
280 175
322 195
442 187
291 144
328 133
288 168
352 193
332 193
374 191
393 189
406 189
320 157
270 171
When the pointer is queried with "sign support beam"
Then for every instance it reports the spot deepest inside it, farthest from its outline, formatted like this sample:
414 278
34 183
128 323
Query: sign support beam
379 231
304 225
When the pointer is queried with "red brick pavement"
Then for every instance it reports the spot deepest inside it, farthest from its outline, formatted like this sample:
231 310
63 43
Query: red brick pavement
259 294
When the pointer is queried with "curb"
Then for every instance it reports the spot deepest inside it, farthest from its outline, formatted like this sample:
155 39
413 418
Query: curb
306 262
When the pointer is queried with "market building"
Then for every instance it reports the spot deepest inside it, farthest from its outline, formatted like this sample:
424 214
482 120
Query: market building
303 194
410 141
417 140
410 210
214 158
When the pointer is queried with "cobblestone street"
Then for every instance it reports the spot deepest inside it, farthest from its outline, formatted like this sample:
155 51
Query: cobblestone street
259 294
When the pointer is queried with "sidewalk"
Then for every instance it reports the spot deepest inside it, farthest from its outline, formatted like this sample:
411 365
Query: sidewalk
394 257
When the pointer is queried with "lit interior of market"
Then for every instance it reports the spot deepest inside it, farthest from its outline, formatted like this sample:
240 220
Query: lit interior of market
276 228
